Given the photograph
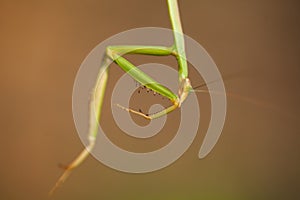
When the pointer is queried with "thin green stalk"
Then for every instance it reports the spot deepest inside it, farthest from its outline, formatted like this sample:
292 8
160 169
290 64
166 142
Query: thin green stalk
178 39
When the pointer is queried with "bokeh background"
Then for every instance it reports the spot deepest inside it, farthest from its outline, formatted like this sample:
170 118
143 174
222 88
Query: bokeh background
42 45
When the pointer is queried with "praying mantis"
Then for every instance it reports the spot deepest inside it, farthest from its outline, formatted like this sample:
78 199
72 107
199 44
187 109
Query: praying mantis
114 53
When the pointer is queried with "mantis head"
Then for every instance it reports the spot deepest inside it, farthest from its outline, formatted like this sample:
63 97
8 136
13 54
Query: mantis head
184 89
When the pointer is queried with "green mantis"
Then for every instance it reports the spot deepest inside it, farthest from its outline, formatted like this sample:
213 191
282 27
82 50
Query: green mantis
115 53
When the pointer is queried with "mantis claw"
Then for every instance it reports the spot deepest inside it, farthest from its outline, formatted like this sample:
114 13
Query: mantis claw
62 166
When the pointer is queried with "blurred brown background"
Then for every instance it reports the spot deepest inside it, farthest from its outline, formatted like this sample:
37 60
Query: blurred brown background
42 46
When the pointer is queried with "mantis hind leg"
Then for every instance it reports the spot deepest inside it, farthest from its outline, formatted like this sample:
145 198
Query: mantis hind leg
95 114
